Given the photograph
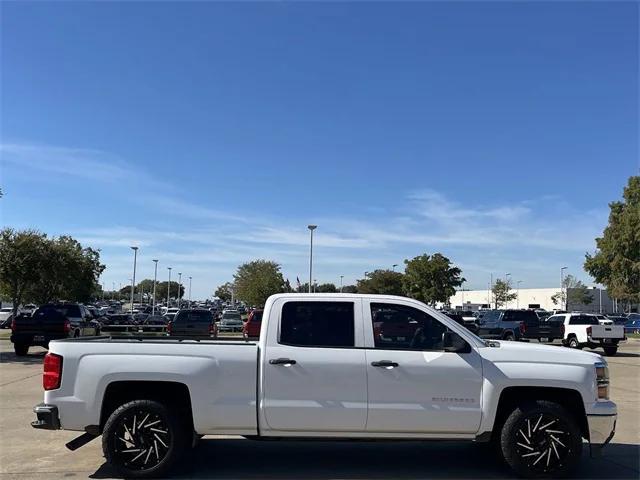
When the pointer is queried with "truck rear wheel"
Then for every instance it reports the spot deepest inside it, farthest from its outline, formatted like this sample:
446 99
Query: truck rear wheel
142 439
21 349
610 351
541 440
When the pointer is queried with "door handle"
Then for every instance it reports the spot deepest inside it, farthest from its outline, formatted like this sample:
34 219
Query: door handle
282 361
384 364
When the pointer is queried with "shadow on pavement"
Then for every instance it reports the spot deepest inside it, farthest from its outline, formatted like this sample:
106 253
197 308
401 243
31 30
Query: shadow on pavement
244 459
35 356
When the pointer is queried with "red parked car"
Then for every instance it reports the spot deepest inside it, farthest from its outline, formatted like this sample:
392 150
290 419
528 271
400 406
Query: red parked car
251 327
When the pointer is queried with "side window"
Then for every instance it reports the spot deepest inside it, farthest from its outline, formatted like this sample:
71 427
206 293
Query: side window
575 320
398 327
317 324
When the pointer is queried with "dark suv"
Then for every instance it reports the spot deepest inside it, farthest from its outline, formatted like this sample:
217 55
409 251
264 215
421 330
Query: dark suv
508 325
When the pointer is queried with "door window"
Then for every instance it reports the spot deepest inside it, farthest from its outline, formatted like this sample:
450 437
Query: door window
399 327
317 324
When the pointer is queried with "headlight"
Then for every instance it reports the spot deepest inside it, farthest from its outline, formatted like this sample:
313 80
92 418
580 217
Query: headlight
602 380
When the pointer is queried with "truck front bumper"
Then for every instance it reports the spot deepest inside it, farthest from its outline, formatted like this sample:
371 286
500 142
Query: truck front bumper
601 431
48 418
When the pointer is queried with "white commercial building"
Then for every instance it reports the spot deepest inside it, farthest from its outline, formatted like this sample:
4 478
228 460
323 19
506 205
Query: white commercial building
534 298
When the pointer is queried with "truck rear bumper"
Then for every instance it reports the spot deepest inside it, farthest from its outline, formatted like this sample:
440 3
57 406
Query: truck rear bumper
47 415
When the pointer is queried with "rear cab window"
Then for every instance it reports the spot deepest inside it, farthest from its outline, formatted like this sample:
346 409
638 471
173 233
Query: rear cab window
317 324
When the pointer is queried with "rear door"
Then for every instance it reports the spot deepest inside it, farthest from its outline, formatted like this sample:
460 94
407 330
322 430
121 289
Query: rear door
314 377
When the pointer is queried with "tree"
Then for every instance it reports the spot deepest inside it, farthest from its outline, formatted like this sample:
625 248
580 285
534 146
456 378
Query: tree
386 282
161 290
573 292
431 279
349 289
501 291
616 262
257 280
223 292
326 288
21 256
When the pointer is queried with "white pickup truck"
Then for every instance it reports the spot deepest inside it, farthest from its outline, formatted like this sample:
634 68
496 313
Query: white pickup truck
330 366
585 330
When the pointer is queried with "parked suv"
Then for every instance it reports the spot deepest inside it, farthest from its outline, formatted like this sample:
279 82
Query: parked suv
193 323
52 322
251 327
510 325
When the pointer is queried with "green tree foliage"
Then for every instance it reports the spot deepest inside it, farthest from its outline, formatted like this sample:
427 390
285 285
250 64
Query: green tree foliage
431 278
223 292
21 257
616 262
502 293
257 280
161 291
349 289
385 282
326 288
574 292
34 268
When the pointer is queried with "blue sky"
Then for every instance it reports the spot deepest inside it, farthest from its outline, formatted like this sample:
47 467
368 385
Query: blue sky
212 133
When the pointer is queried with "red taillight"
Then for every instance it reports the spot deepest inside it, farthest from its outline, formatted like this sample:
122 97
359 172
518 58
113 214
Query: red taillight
523 328
169 328
67 326
52 371
13 325
589 331
212 329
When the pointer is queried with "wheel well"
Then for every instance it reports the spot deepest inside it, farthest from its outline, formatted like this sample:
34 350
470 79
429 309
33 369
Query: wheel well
172 394
511 397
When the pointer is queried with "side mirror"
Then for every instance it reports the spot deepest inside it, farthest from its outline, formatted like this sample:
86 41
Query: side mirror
454 343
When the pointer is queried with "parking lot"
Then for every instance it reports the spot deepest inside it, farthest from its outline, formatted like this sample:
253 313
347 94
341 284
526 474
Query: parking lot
28 453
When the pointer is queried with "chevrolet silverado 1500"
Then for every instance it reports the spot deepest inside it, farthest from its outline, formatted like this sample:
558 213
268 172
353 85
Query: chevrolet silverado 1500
330 366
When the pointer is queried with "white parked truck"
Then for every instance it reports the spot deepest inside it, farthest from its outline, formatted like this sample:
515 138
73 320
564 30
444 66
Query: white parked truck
585 330
330 366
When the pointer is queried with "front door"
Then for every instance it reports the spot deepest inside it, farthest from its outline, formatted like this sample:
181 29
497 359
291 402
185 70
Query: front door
414 386
314 377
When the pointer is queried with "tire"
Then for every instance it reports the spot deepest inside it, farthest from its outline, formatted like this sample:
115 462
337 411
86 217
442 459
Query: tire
610 351
509 337
21 349
573 343
548 453
170 440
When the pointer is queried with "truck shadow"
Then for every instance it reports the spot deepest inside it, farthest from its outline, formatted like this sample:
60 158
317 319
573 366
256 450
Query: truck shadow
35 356
244 459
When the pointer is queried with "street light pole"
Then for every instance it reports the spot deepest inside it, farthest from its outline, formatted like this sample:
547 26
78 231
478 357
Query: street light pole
190 291
562 289
133 280
179 289
169 287
155 280
311 229
341 277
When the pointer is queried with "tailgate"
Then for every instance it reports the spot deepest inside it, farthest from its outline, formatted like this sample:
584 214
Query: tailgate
607 331
39 326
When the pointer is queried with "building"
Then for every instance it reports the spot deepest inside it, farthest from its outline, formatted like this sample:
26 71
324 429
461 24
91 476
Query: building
534 298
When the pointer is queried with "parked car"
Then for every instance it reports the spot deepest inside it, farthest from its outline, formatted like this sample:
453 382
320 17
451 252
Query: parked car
119 319
603 319
148 398
584 330
6 317
251 327
632 326
231 321
193 323
617 319
471 326
514 325
51 322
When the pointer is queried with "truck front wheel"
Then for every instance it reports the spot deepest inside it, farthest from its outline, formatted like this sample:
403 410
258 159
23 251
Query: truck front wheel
541 439
142 439
573 343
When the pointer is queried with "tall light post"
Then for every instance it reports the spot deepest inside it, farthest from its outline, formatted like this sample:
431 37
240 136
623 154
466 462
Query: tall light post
563 295
113 292
311 229
341 277
169 287
155 280
179 289
518 294
190 291
393 267
133 280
